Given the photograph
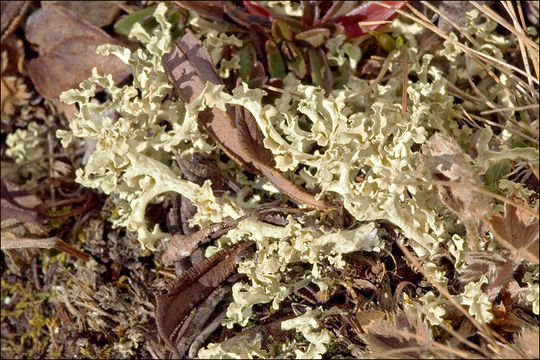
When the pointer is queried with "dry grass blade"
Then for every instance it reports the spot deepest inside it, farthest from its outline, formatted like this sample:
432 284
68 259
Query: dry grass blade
483 329
510 9
477 55
10 241
513 131
528 42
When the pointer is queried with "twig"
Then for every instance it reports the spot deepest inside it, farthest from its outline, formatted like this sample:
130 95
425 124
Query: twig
9 241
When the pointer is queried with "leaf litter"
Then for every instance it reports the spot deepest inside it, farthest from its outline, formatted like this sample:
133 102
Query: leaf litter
261 251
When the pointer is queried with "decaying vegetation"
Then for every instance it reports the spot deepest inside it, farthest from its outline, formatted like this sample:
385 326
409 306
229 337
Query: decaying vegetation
270 179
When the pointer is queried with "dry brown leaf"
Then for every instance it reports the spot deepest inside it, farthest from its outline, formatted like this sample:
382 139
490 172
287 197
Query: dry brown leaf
455 12
201 316
182 246
67 47
191 289
403 332
365 318
445 160
12 15
13 59
19 204
519 229
13 93
98 13
189 67
526 343
213 10
197 169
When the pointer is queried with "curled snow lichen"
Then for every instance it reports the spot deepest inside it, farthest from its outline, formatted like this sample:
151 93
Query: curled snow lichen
477 300
25 146
244 346
308 324
131 151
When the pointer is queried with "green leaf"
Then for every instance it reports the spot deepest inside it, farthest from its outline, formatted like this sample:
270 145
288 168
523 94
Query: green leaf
148 22
320 71
400 41
386 41
124 25
280 30
247 59
497 172
276 65
295 59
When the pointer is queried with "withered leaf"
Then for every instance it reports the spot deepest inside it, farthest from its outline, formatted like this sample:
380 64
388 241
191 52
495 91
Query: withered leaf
12 15
189 67
197 169
182 246
200 319
519 229
387 335
445 160
190 290
98 13
67 47
214 10
21 205
244 18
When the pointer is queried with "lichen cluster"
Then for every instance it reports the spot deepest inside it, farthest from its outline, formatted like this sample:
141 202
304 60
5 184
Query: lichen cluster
323 141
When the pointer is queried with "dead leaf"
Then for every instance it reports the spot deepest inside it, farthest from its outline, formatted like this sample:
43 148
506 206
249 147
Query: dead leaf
182 246
13 93
13 60
444 159
197 169
214 10
12 15
190 290
201 316
404 331
519 231
189 67
527 342
98 13
67 47
370 69
455 12
368 316
21 205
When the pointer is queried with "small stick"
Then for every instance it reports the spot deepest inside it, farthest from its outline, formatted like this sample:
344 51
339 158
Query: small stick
9 241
